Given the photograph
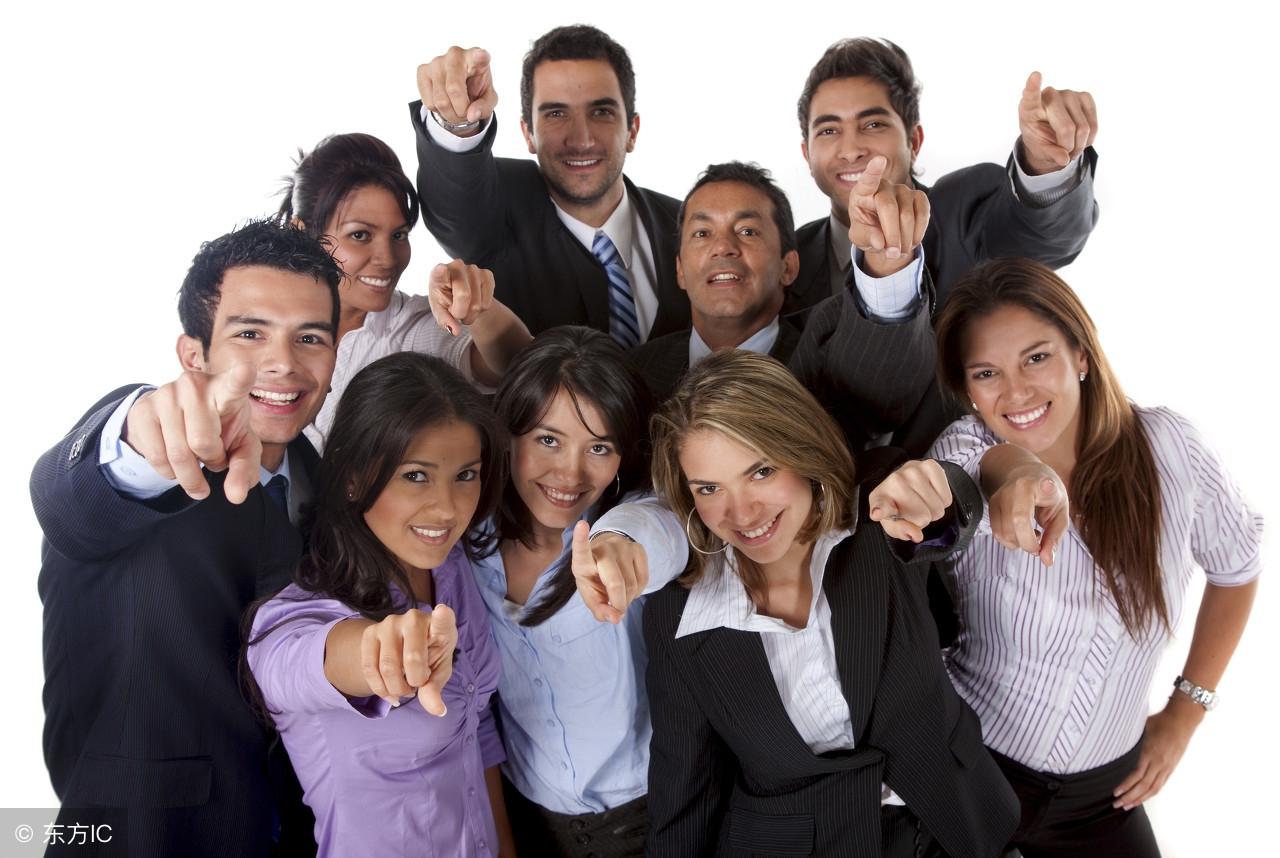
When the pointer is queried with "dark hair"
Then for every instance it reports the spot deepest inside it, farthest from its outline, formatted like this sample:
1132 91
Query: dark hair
755 176
588 365
258 242
577 42
382 410
1115 487
338 165
879 59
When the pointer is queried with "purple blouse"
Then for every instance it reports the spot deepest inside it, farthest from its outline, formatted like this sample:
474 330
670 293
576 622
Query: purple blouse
382 780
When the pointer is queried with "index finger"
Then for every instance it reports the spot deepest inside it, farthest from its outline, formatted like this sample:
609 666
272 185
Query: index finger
230 388
461 286
243 465
1031 91
476 61
438 296
441 642
582 561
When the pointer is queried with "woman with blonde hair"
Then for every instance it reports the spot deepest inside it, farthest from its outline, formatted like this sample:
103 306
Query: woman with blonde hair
799 703
1059 666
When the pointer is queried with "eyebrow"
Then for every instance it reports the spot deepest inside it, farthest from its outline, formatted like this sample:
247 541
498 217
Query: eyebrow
862 114
359 222
425 464
747 214
254 321
554 431
607 101
751 470
1030 348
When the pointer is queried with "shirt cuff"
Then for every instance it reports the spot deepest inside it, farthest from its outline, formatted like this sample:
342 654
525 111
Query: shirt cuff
447 139
658 531
125 470
1046 189
891 298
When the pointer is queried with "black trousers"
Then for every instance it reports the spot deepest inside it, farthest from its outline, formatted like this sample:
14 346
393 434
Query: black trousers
616 833
903 836
1070 815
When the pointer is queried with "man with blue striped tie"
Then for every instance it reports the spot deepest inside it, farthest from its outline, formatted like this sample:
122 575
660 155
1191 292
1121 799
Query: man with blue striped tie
569 239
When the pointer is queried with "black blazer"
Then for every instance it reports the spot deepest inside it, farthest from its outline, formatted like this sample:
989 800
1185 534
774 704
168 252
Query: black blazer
664 361
142 607
495 213
974 216
730 775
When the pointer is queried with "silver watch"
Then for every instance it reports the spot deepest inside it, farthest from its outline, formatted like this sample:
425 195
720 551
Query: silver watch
1204 696
454 127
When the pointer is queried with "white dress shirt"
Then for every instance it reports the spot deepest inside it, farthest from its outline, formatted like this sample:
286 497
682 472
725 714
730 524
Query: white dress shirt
1043 658
624 228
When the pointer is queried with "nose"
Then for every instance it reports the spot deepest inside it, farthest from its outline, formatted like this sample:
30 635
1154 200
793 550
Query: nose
1017 388
579 134
442 504
569 467
851 147
726 244
277 356
381 254
741 510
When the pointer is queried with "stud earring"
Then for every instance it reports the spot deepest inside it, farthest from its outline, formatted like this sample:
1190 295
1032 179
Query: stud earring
688 522
973 405
1082 375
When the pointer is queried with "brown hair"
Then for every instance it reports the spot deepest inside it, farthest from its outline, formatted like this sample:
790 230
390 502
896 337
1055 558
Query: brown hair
1115 488
757 402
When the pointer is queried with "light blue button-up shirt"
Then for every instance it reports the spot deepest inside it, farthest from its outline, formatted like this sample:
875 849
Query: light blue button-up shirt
572 699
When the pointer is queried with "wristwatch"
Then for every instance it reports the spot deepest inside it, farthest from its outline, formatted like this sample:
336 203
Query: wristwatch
1204 696
454 127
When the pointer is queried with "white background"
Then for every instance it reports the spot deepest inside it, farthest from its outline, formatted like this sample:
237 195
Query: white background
134 134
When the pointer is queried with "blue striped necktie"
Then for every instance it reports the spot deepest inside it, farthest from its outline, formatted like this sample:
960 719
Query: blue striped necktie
623 324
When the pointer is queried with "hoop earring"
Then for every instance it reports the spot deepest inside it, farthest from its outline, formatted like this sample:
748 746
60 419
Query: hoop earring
822 493
617 485
688 522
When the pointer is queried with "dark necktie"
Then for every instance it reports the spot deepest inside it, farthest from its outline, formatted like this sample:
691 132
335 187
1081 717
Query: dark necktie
277 488
624 327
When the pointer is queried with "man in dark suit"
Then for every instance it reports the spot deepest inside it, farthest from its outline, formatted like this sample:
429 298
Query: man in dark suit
570 240
166 512
862 99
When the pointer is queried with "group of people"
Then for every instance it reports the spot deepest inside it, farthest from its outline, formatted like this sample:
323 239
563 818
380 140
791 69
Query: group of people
655 526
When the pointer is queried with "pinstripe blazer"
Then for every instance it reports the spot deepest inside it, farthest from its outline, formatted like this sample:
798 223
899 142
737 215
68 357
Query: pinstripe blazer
145 725
729 774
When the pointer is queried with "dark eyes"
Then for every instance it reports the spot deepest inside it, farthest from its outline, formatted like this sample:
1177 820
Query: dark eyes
468 475
764 472
548 441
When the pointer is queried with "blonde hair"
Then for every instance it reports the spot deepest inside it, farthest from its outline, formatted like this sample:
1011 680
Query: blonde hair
755 401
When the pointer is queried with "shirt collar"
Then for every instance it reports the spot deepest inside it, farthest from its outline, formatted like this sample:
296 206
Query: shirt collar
719 599
761 342
264 476
620 227
841 249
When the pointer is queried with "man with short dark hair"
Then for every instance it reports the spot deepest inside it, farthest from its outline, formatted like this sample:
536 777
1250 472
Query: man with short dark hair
862 100
569 239
166 512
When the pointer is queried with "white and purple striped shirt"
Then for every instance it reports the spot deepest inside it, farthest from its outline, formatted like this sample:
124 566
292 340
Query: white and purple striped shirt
1043 657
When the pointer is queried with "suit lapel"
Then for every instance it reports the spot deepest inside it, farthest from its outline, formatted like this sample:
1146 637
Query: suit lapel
673 302
859 602
813 283
577 261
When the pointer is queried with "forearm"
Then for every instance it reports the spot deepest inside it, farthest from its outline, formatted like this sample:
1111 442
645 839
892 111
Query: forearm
1219 625
1005 463
342 654
496 337
506 840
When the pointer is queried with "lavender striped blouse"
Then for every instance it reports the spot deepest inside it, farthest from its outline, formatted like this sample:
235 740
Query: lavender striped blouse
1043 657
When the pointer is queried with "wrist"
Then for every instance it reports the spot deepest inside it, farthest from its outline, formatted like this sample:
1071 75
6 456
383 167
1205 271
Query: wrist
878 264
1185 711
468 128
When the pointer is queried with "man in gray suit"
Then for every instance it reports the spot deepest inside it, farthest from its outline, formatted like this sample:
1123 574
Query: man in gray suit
862 100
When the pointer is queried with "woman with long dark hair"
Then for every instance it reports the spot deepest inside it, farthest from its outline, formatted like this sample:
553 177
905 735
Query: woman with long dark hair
351 192
800 706
1058 663
573 709
382 610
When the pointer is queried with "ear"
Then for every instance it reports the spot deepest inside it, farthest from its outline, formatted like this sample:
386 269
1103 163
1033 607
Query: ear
790 268
632 132
804 150
680 274
1082 361
190 353
528 137
916 140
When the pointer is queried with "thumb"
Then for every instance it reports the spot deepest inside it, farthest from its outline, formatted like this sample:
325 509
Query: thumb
441 642
231 387
869 182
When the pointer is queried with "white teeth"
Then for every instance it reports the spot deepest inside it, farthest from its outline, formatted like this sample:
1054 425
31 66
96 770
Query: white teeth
379 282
760 531
564 497
1027 416
721 277
850 177
429 532
583 163
273 396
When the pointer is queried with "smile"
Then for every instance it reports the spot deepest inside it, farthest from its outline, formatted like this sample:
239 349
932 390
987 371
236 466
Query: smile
375 282
1028 419
562 499
581 164
850 178
762 533
273 397
724 277
431 535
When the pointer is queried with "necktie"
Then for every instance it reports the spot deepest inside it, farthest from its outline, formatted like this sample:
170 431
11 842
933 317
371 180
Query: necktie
623 325
277 489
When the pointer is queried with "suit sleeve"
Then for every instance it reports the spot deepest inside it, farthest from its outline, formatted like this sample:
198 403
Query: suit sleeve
462 195
690 769
81 515
981 218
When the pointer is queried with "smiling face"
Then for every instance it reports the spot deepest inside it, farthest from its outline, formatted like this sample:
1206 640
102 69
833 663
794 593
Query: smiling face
757 508
851 120
731 260
563 465
581 135
371 244
281 323
429 502
1024 376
